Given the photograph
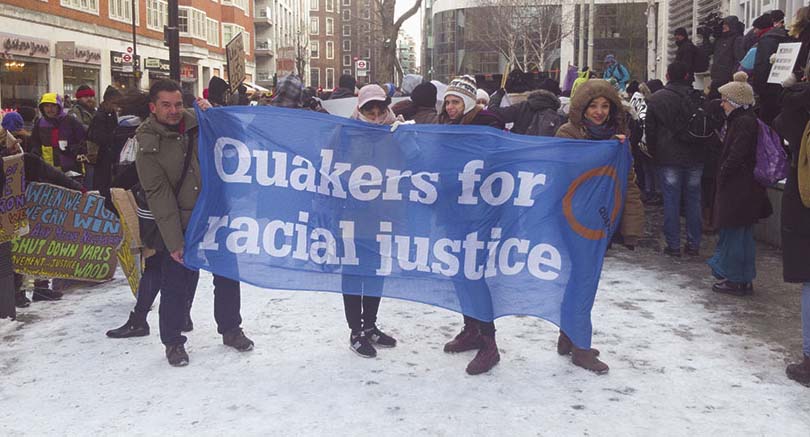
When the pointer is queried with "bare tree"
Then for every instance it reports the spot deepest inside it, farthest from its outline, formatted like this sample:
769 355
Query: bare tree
385 64
525 32
302 50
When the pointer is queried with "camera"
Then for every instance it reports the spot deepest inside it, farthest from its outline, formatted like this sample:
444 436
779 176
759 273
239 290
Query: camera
711 25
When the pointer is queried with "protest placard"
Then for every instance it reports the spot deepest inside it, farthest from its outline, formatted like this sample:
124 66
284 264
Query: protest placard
13 222
129 254
72 236
786 56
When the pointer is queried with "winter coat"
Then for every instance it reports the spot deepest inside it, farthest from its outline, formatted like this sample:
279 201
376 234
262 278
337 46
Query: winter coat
795 232
102 132
739 199
804 53
794 116
160 159
537 115
727 52
47 133
632 220
411 111
666 116
619 73
341 93
82 114
582 77
686 54
478 116
767 46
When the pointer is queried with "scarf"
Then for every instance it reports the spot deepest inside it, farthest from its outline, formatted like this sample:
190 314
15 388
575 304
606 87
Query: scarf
389 119
604 131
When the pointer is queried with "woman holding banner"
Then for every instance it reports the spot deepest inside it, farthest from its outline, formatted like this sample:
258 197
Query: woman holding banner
597 113
362 291
460 107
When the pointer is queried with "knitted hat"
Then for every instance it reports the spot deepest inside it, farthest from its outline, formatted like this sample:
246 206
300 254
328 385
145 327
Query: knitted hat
84 91
682 32
481 95
424 95
217 89
464 88
777 16
764 21
111 93
12 122
610 59
738 91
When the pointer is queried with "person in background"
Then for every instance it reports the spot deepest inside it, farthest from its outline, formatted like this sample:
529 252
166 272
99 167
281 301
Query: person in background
57 138
409 83
597 113
102 129
642 160
346 87
583 76
727 52
800 31
768 44
481 97
217 91
740 200
85 107
686 53
421 107
538 115
289 92
615 71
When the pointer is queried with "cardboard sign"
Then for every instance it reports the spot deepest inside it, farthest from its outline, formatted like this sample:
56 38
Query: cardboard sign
786 56
13 221
129 254
235 52
72 236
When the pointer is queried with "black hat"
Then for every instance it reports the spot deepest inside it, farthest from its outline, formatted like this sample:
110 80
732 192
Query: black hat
551 86
216 90
347 81
764 21
111 93
777 15
681 31
424 94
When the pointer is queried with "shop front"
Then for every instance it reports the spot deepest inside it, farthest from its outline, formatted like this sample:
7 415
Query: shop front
82 66
23 70
189 78
158 69
123 70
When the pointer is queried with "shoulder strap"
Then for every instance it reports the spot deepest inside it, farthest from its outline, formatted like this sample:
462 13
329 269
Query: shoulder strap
186 164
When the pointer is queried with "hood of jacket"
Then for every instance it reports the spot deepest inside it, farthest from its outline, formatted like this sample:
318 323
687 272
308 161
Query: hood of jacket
776 32
542 99
55 99
590 90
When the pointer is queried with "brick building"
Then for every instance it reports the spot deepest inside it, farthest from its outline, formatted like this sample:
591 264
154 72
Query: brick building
324 43
95 43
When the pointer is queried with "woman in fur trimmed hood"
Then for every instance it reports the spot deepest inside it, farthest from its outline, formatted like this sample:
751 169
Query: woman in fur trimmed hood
597 113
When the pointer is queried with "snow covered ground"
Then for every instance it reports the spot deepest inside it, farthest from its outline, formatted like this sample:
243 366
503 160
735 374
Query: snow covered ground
678 367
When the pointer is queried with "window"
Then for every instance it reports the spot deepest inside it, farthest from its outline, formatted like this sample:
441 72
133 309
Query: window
313 26
347 2
194 24
347 71
182 20
330 5
347 60
82 5
330 26
212 36
314 49
347 45
330 78
368 53
229 31
241 4
313 5
246 41
315 77
330 50
121 10
347 15
157 14
347 30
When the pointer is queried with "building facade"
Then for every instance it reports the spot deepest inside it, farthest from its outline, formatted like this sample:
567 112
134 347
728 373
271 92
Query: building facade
57 45
406 53
281 28
325 36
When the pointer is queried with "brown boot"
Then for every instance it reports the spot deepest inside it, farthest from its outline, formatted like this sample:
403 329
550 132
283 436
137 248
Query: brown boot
486 358
800 372
586 358
564 345
468 339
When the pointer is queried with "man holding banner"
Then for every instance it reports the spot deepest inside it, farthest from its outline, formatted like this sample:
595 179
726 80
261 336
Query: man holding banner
169 173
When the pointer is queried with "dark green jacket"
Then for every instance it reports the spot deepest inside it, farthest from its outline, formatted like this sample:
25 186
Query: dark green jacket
160 158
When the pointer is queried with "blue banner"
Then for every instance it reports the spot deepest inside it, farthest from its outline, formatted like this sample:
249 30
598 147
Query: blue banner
467 218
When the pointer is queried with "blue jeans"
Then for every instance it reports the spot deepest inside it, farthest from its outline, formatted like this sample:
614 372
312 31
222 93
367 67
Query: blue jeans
677 181
806 318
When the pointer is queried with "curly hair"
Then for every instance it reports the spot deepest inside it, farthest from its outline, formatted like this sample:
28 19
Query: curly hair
800 22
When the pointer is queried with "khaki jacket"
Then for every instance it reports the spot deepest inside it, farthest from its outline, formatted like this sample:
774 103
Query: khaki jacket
160 158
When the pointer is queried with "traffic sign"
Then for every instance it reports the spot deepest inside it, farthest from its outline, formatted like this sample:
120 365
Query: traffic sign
129 49
127 58
362 64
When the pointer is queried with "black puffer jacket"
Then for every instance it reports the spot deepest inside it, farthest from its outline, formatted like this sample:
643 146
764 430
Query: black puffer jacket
667 114
728 51
341 93
795 114
767 46
536 116
686 54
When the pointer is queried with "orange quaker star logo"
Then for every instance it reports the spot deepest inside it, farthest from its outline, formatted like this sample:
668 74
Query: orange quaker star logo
568 209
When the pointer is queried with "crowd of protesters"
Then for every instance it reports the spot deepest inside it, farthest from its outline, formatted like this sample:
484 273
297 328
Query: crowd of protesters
144 142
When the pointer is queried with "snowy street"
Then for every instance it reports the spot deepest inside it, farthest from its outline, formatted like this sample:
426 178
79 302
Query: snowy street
683 362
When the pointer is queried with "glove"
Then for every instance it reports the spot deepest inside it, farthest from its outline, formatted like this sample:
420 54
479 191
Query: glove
773 58
398 123
790 81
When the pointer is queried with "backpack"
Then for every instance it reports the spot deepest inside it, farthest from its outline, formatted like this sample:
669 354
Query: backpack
772 164
544 123
697 128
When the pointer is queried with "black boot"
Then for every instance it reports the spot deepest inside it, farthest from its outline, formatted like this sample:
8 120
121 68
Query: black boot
41 294
237 339
189 325
136 326
177 356
20 301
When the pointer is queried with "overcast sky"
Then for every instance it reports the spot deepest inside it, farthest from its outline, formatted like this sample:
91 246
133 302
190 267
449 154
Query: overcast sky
413 26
